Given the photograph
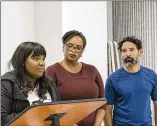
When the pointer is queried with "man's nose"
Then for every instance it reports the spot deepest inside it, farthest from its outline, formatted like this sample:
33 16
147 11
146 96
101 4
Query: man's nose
128 53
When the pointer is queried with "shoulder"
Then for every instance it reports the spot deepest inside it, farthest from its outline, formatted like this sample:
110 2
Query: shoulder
117 73
114 77
88 66
7 81
52 67
89 69
151 74
147 70
52 70
9 76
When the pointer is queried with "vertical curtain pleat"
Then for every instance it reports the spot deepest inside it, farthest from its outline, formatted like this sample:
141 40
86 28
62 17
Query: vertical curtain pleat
113 57
137 18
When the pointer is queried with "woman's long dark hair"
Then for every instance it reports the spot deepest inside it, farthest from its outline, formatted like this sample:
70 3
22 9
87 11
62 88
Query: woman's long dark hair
18 60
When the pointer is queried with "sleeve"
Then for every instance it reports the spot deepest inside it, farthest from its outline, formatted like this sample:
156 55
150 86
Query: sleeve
100 84
154 91
6 103
109 92
50 71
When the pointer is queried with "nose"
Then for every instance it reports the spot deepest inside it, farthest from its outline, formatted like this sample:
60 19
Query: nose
74 48
128 53
41 62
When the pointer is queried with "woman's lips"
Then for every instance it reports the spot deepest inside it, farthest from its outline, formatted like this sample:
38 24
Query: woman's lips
40 69
72 55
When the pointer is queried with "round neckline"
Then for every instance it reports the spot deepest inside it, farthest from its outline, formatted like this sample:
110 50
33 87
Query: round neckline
131 72
69 71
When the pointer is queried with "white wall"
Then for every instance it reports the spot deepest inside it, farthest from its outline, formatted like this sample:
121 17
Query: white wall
89 17
48 29
46 22
31 21
17 25
109 21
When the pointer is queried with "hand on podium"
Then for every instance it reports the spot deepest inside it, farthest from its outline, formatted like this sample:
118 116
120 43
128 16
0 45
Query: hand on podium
75 125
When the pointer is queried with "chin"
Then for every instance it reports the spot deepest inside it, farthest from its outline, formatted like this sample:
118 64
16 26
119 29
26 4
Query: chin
72 61
39 75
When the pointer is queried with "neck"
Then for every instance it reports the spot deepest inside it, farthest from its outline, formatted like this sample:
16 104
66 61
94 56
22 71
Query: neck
73 67
132 69
31 81
70 64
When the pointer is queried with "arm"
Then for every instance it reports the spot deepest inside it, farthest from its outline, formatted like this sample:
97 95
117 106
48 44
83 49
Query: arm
155 112
110 96
154 94
7 113
108 115
51 74
101 111
99 117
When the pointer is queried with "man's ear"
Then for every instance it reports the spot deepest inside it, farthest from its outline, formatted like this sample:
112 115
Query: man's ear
141 52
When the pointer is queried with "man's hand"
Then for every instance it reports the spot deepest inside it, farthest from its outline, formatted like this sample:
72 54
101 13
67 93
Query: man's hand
75 125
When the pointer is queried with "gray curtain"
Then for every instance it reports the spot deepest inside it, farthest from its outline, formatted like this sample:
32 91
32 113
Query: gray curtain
113 57
137 18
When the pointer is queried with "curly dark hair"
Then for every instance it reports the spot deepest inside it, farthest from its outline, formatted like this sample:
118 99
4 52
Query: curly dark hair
131 39
70 34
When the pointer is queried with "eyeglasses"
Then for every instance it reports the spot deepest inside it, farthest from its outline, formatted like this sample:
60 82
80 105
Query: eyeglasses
78 48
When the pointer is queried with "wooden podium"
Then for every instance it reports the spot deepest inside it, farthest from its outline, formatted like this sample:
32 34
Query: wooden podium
60 113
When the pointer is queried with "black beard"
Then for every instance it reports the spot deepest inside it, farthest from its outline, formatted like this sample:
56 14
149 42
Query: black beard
129 61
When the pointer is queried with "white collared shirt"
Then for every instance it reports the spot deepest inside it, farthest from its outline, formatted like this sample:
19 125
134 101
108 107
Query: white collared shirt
33 96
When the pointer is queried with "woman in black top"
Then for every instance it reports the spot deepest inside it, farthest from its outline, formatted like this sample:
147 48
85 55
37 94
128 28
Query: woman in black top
28 75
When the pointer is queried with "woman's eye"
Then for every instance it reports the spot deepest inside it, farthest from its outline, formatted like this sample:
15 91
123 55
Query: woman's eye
35 58
70 46
79 48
